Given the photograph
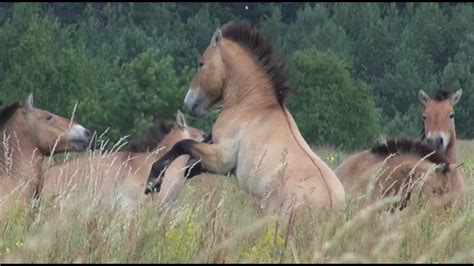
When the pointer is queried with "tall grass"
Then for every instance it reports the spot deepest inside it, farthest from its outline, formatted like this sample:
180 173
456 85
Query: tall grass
212 221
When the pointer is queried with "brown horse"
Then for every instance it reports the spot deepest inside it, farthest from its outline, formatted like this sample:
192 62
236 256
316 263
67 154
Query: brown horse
438 121
394 166
29 134
119 177
254 135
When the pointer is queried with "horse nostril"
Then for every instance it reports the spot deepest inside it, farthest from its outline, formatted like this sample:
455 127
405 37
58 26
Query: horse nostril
440 141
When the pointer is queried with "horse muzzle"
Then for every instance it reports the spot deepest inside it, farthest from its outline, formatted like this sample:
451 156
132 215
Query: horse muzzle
195 103
438 140
79 137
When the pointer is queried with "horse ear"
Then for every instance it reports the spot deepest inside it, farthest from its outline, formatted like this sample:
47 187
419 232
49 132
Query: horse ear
216 37
454 99
29 103
180 120
424 98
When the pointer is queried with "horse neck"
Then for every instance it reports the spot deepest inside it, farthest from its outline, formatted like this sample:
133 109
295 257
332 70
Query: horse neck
248 87
20 158
451 149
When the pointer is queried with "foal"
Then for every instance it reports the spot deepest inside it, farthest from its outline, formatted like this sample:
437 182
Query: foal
255 135
28 134
119 177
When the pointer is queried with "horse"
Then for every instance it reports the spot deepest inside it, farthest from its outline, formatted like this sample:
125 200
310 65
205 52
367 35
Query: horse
119 177
254 136
394 166
438 121
439 129
28 135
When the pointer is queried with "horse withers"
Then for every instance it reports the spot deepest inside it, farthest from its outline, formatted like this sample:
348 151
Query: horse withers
28 135
254 136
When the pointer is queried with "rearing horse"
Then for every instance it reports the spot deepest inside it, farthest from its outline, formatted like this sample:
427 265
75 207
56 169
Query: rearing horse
254 135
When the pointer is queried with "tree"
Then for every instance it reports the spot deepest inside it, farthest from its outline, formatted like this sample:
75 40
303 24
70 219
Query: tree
329 106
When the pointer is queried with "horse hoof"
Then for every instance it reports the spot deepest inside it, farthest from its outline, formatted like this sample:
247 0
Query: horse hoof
153 186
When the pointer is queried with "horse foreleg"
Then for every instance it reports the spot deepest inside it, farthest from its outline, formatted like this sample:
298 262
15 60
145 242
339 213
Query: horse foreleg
216 158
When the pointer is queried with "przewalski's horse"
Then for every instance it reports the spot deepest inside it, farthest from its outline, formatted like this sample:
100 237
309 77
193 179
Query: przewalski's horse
395 166
28 134
254 135
439 129
438 121
119 177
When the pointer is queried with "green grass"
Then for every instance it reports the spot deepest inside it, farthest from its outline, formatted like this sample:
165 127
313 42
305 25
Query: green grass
212 221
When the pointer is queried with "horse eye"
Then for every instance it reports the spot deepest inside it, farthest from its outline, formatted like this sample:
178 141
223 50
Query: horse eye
49 117
200 63
451 116
424 117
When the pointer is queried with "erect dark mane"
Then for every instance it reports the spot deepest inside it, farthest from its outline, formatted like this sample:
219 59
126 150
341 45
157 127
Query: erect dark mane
150 141
442 95
7 112
408 146
265 53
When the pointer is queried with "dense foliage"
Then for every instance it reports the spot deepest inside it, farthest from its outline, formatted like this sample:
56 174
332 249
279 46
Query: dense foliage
356 67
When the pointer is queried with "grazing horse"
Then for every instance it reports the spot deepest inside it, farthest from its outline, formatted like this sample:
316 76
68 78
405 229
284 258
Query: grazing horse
119 177
28 134
438 121
254 135
394 166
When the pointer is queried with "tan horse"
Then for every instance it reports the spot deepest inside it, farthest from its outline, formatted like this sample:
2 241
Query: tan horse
439 129
394 166
254 135
29 134
438 121
119 177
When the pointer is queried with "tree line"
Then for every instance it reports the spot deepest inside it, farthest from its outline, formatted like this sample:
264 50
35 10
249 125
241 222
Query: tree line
356 67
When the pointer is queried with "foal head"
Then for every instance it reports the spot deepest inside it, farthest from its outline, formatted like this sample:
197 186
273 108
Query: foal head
47 131
166 133
438 118
180 130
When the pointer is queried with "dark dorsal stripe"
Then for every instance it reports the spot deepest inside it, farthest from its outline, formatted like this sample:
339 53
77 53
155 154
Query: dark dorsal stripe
408 146
263 50
150 141
7 112
442 95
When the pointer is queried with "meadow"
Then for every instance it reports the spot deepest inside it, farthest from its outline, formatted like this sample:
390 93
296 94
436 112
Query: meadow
212 221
